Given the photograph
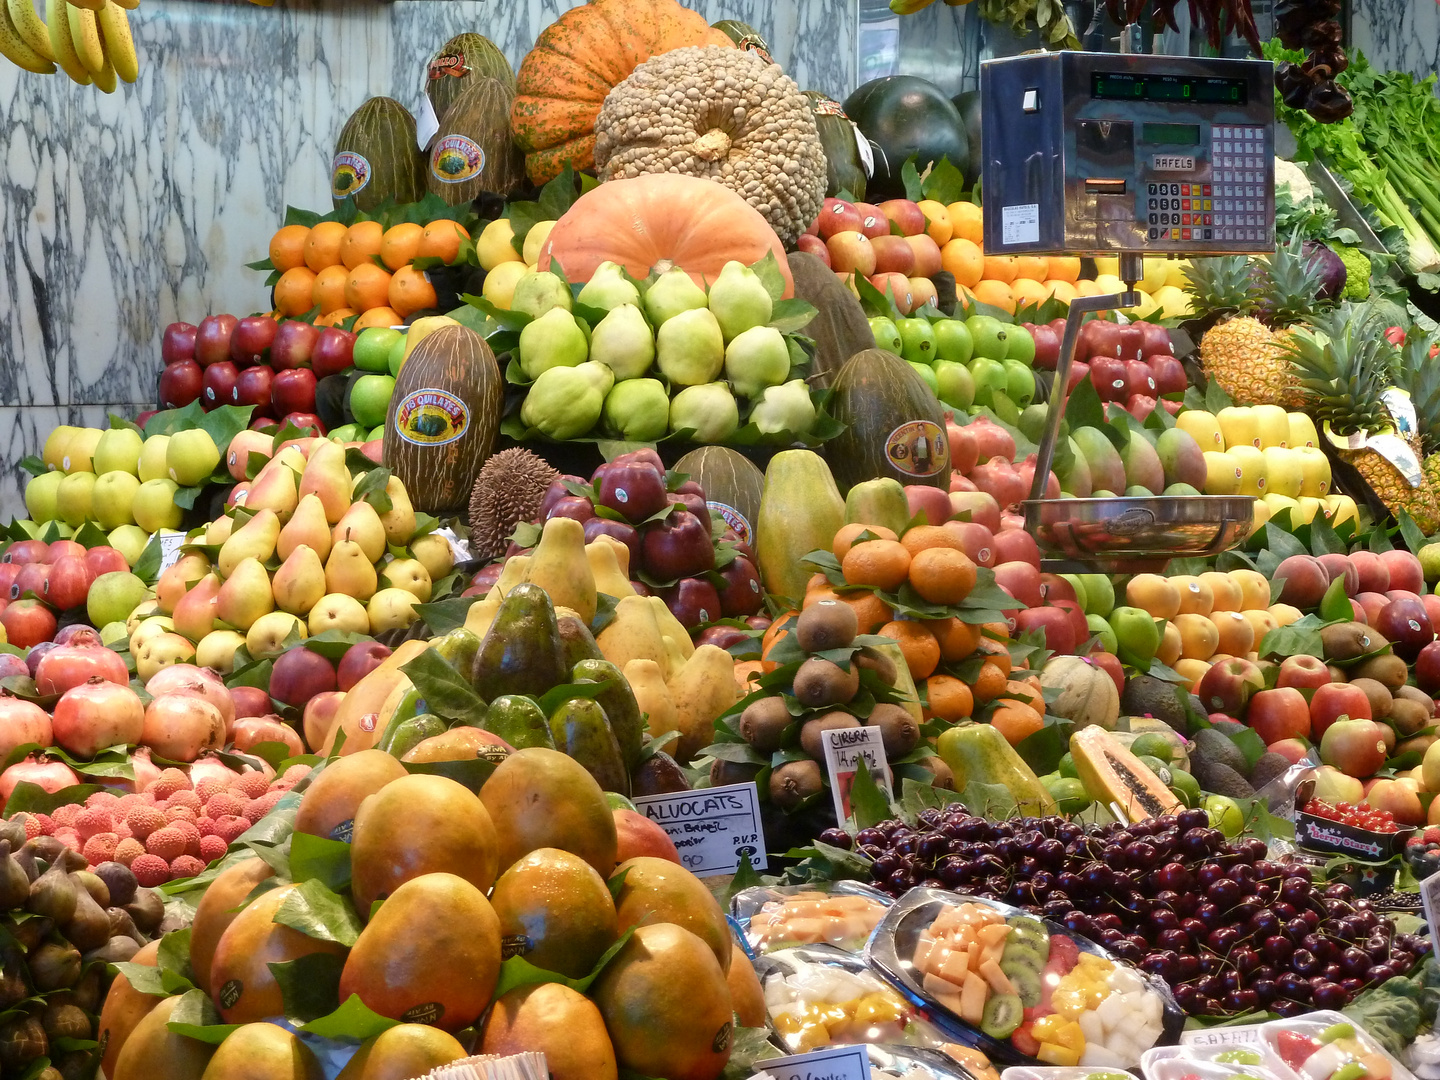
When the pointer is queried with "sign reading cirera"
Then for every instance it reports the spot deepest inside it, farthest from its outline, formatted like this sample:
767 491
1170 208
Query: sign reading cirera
711 828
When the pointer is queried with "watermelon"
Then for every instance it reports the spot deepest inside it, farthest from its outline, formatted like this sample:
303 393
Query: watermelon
902 117
969 105
732 484
376 157
844 169
473 152
840 328
462 59
894 425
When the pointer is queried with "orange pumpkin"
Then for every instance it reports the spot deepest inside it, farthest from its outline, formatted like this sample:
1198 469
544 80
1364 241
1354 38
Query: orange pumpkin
659 221
576 61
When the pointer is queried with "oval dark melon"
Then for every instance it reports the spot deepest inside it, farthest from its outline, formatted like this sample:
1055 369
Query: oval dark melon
843 168
473 151
840 328
902 116
894 424
746 37
376 157
968 104
443 417
732 482
462 60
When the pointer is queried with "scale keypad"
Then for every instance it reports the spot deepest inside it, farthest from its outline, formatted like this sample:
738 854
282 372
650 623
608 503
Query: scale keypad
1230 207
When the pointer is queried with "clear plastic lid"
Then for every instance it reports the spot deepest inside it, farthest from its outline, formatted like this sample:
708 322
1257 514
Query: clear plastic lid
838 913
1062 1072
1214 1062
1330 1046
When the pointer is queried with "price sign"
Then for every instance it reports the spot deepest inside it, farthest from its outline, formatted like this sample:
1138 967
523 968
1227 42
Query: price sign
1247 1035
170 542
711 827
1430 897
832 1063
845 748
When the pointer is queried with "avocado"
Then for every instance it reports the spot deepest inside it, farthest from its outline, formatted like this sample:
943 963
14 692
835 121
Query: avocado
519 721
1220 779
1268 768
1146 695
521 652
1211 748
658 774
618 701
580 729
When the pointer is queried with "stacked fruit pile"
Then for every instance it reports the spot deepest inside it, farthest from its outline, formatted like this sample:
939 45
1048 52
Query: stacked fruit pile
977 361
40 580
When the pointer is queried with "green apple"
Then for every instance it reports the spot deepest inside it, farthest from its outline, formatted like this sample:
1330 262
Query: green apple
1100 627
191 457
917 340
118 449
1099 594
990 379
990 336
155 507
1430 561
40 495
1019 382
957 385
114 596
373 345
57 445
396 356
347 433
80 450
1137 634
130 541
927 376
370 398
887 335
953 340
1225 815
152 458
1019 345
113 500
73 498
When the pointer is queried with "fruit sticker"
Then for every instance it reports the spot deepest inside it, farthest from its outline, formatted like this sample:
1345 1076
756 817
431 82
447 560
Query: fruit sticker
349 173
828 107
427 1013
735 520
918 448
230 993
431 417
451 64
456 159
756 44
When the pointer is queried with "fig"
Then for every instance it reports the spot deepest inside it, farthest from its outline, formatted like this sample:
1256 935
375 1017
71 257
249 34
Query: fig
121 925
147 909
98 890
89 926
22 1041
14 884
63 1021
52 894
117 950
120 880
54 966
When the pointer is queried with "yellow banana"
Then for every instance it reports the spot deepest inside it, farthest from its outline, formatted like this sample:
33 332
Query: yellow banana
119 45
30 27
909 7
15 48
92 5
105 77
128 5
58 25
85 35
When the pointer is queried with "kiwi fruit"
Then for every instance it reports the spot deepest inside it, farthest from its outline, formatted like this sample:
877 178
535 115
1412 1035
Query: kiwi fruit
1003 1014
1414 693
812 734
1379 695
1348 641
878 662
1408 716
898 729
819 683
827 624
732 772
764 722
1025 977
941 775
793 783
1387 669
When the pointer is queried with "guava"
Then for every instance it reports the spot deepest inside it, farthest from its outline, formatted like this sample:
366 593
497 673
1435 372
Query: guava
539 291
623 342
757 358
739 300
553 340
608 288
637 410
563 403
670 294
690 348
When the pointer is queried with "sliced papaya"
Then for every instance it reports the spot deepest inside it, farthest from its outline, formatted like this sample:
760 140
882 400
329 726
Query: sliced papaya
1113 775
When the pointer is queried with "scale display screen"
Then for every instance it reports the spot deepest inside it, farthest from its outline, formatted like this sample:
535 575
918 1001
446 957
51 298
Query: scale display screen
1171 134
1129 86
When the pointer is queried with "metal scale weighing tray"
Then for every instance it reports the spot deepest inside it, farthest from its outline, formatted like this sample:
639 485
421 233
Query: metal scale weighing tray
1131 155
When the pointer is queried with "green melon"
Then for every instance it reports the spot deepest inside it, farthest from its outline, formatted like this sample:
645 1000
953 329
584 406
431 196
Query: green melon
745 36
840 329
376 157
460 61
894 425
732 483
844 171
473 152
443 417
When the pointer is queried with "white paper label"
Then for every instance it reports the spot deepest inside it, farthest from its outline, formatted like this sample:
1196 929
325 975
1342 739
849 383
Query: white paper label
459 549
1430 897
867 156
170 543
1222 1036
835 1063
711 827
426 122
1020 224
845 748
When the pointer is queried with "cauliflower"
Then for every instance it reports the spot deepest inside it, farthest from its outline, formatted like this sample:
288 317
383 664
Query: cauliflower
1357 273
1290 178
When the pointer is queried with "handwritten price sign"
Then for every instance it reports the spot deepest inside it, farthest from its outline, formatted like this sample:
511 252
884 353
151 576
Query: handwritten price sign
711 828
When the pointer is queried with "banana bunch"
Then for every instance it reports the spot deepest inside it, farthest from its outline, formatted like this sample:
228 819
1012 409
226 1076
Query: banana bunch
88 39
910 7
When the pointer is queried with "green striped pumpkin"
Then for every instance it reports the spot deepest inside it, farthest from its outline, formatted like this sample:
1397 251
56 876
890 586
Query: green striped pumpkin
844 169
460 61
376 157
745 36
473 151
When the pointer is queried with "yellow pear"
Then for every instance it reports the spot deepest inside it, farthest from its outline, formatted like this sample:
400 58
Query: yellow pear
348 571
325 475
433 551
399 520
702 690
512 574
245 596
336 611
175 582
161 651
149 628
307 526
361 524
482 613
253 540
657 705
631 634
558 565
217 650
300 582
407 574
604 555
274 488
422 328
266 638
671 627
196 612
219 530
391 609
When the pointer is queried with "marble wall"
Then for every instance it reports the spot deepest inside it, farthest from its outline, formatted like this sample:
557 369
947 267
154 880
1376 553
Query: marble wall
121 213
1399 35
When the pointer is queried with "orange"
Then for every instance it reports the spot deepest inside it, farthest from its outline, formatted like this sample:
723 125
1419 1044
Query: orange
846 536
1064 268
328 292
367 286
1060 289
293 291
871 612
377 316
962 258
747 676
335 318
881 564
917 645
921 537
957 639
1034 267
967 221
411 291
817 583
287 247
322 246
441 239
948 698
1016 721
1000 268
996 652
773 633
937 220
996 294
400 244
989 683
1027 291
942 575
362 241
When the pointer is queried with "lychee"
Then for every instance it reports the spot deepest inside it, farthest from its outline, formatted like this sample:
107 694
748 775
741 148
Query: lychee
100 848
167 783
127 851
212 848
186 866
168 843
150 870
144 820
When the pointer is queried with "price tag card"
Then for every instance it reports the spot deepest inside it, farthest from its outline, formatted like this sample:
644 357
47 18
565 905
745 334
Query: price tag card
711 827
845 748
832 1063
1430 897
170 543
1246 1035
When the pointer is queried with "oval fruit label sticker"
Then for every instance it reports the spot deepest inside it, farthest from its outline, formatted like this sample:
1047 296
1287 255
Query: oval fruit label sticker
431 417
349 173
456 159
451 64
918 448
735 520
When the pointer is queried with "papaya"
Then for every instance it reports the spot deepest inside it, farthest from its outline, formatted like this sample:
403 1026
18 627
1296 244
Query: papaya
878 502
543 798
604 554
519 721
652 696
746 994
444 976
358 716
555 911
402 1052
520 653
657 890
154 1052
217 910
511 574
702 690
558 565
125 1007
979 753
263 1052
580 728
632 634
328 806
618 701
800 512
557 1021
418 825
1112 774
666 1005
244 989
671 627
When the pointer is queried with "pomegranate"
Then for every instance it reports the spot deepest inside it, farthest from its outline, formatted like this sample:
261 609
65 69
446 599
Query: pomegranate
22 722
98 714
253 730
146 771
250 701
46 773
209 767
203 682
992 440
963 451
68 666
998 478
181 726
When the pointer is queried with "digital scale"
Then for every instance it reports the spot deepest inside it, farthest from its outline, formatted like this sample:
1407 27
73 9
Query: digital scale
1131 155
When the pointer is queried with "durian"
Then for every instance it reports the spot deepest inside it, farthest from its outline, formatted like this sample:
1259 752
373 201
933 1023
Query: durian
508 490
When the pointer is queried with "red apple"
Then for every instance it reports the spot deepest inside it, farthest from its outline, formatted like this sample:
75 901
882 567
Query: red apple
1373 574
67 583
1110 378
1333 701
252 387
1154 340
1406 624
358 661
923 290
26 551
1169 374
1355 747
27 623
1047 348
251 341
333 352
1292 750
1131 342
293 390
1022 581
180 383
219 385
893 255
852 252
294 341
1405 572
815 246
104 559
898 287
927 255
976 540
305 421
1427 668
1279 714
212 339
1017 545
1139 405
1110 664
1079 371
1077 619
177 343
837 216
1102 338
1303 672
1228 686
1055 622
872 222
1139 379
930 501
905 214
1053 587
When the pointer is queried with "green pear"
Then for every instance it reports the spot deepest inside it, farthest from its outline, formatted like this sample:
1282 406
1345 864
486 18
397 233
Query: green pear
73 498
118 449
80 450
307 525
152 458
266 636
671 293
690 347
755 359
191 457
739 300
608 288
348 571
113 596
637 410
113 500
407 574
245 596
300 582
362 524
709 409
784 408
555 339
623 342
254 540
563 403
41 494
539 291
130 541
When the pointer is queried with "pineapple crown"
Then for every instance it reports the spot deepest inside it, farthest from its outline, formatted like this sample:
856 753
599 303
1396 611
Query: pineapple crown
1282 291
1420 377
1291 285
1342 363
1222 286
